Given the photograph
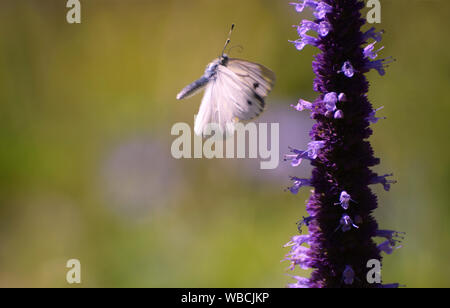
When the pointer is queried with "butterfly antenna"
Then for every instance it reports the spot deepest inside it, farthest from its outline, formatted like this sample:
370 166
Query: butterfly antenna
228 39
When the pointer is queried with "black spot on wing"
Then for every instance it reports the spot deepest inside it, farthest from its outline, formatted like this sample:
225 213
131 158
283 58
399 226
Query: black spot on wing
249 102
255 85
260 99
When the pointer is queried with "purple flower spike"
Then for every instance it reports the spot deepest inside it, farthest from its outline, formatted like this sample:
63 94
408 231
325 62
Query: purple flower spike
341 234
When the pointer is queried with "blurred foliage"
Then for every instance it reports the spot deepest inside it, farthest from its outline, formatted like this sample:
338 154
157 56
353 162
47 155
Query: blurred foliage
71 95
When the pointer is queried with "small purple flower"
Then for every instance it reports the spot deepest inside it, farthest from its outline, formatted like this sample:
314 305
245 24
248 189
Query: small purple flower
342 97
330 100
387 247
372 34
298 183
304 222
296 158
298 240
305 40
379 65
348 276
311 153
302 105
384 181
370 53
302 283
393 236
344 200
322 10
298 256
346 223
347 69
372 116
314 148
339 114
300 6
322 28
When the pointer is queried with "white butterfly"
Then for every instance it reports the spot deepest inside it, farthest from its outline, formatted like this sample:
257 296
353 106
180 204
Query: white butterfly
234 91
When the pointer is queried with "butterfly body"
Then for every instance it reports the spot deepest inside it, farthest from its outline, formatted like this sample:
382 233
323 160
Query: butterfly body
193 88
235 90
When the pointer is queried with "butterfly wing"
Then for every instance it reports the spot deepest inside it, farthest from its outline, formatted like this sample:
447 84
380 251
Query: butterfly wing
208 108
236 93
255 75
217 108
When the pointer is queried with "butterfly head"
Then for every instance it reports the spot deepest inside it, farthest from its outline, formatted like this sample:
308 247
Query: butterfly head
211 68
223 60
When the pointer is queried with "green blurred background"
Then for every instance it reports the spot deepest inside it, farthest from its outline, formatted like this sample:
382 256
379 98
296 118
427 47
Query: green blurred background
85 165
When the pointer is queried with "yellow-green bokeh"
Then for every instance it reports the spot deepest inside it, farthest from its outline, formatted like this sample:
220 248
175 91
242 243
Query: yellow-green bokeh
71 95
